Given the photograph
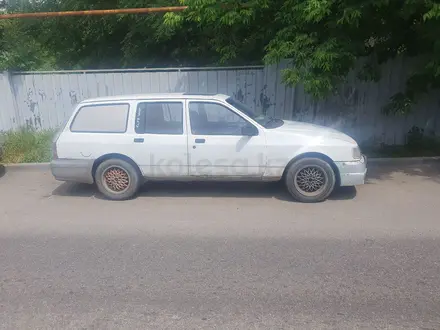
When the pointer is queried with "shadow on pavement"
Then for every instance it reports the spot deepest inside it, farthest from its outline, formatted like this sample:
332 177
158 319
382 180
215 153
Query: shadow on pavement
380 171
2 170
75 190
203 189
275 190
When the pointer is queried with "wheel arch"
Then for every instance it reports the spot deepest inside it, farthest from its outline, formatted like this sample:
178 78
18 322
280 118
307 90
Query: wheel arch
105 157
318 155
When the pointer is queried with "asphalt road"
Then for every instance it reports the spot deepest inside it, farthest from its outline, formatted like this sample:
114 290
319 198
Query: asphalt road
220 256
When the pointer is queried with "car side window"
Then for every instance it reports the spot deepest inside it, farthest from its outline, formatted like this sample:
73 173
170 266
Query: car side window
101 118
208 118
159 118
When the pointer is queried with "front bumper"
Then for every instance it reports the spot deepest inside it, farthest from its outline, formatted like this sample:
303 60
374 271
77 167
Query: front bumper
72 170
352 173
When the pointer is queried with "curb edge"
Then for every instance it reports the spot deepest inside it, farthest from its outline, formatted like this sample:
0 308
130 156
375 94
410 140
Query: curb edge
26 167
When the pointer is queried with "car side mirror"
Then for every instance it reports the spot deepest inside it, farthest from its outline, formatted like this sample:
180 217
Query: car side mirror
249 130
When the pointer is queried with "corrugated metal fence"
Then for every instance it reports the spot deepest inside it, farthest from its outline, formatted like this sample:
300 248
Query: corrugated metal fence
46 99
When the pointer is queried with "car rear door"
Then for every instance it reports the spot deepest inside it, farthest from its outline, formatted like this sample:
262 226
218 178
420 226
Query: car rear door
159 144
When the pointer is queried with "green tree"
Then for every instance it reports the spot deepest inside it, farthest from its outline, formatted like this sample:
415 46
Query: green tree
99 41
19 51
325 38
127 41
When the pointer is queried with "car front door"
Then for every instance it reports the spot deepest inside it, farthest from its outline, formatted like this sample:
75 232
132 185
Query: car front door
223 144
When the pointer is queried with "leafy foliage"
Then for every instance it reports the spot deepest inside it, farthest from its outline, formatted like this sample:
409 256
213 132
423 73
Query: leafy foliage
100 41
20 51
323 38
127 41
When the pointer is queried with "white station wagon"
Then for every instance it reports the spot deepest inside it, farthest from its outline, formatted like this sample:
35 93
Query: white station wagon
121 142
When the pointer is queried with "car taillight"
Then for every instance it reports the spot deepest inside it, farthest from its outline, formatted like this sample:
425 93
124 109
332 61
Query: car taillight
55 139
54 150
54 145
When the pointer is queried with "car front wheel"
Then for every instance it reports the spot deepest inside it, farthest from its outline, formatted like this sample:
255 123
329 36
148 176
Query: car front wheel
117 179
310 180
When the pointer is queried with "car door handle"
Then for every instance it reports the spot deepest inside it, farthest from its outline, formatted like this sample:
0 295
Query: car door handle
200 140
138 140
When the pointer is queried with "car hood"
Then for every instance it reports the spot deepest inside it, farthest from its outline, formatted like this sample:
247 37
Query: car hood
313 130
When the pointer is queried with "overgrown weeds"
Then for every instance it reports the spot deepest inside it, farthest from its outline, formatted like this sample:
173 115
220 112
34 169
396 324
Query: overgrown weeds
26 146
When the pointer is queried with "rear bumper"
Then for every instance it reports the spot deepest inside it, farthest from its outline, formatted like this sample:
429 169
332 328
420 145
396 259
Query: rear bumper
72 170
352 173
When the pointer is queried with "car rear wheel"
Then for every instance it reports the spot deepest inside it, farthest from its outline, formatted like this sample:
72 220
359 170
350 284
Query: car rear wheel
310 180
117 179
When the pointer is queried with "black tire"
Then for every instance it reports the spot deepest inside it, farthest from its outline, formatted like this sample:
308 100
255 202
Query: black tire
305 189
131 179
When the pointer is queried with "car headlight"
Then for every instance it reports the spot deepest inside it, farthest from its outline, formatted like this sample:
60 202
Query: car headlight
357 153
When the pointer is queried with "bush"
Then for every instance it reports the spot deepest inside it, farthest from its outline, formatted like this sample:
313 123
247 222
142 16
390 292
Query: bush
418 144
27 146
417 139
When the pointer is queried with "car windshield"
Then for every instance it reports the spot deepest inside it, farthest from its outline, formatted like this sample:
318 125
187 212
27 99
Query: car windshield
266 121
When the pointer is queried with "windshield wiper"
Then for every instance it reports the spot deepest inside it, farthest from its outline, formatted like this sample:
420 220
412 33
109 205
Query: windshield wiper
273 120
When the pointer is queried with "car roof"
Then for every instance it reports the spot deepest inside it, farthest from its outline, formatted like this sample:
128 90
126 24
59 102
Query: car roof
153 96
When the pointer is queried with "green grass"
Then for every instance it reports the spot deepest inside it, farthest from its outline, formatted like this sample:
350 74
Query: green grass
26 146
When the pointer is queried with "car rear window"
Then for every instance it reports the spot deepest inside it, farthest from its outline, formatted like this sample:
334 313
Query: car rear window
101 118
